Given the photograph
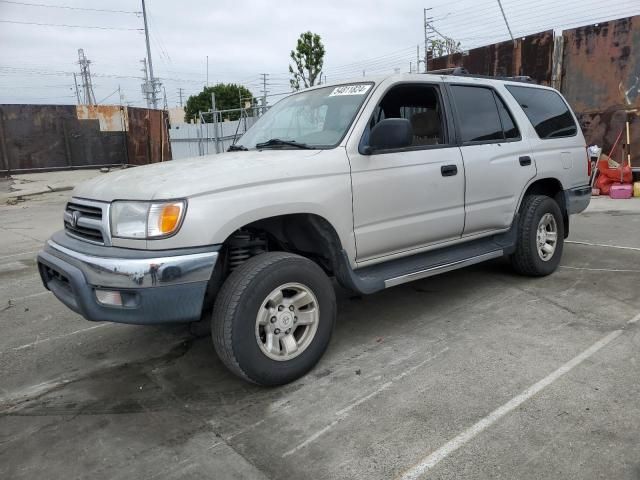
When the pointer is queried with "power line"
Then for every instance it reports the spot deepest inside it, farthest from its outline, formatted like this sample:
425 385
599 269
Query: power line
526 16
71 26
68 7
110 95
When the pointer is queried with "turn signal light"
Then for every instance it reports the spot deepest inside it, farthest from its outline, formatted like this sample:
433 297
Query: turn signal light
164 218
169 218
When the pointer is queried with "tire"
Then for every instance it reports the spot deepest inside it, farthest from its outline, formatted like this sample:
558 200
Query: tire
528 259
240 334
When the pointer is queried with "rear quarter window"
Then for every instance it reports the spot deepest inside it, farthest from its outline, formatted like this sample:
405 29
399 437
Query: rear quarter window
546 110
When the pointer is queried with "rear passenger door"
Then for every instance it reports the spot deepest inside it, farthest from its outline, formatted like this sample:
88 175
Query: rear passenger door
497 161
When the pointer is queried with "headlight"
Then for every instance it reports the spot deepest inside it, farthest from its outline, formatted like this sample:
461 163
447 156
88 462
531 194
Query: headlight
146 219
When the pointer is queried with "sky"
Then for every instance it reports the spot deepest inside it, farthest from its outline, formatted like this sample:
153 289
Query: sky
244 39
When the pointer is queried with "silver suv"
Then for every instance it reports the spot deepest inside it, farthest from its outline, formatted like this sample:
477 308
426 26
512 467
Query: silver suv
375 183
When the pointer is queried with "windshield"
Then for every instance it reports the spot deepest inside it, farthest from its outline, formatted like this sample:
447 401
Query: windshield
316 118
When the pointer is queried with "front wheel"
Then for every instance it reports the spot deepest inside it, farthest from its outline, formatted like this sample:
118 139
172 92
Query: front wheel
540 237
273 318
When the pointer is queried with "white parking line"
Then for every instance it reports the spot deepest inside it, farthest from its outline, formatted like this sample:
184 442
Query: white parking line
58 337
342 414
602 245
451 446
615 270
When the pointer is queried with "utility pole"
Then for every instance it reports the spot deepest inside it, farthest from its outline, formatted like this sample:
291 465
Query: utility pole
165 104
506 22
427 25
264 91
152 78
207 70
85 74
180 90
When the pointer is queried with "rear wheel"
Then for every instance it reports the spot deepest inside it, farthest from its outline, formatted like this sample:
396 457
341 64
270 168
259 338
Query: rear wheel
540 237
273 318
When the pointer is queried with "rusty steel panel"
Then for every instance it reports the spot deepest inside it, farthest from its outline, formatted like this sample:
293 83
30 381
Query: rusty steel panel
601 65
112 118
536 57
49 137
602 129
36 137
148 136
531 55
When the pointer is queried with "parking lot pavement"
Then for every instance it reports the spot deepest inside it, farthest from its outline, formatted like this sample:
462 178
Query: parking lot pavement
477 373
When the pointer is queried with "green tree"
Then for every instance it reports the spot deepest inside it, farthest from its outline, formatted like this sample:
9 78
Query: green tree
309 60
227 97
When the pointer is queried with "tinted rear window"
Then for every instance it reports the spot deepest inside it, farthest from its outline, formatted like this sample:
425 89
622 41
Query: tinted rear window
546 110
478 113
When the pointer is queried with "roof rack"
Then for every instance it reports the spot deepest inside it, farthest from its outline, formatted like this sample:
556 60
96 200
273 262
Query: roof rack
463 72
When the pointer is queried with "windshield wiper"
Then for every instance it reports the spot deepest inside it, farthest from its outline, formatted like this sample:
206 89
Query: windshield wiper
237 148
276 142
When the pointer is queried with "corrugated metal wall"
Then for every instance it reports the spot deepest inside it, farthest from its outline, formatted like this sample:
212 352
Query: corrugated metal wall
50 137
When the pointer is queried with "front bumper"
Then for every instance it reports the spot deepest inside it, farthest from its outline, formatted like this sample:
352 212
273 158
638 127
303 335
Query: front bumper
155 286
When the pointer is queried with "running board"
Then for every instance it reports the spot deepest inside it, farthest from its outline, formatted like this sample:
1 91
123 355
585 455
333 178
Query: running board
394 272
429 272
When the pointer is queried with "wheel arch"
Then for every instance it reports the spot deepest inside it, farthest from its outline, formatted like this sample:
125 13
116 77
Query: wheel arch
553 188
307 234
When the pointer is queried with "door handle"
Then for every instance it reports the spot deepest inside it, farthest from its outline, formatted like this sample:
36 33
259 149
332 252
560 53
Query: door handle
524 161
448 170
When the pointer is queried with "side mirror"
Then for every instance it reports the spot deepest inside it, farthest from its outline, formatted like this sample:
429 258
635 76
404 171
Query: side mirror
390 133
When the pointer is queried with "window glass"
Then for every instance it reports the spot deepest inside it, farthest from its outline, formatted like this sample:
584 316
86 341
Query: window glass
478 114
546 110
420 104
508 124
318 117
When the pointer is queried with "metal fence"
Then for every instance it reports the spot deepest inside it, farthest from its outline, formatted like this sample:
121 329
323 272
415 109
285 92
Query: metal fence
213 134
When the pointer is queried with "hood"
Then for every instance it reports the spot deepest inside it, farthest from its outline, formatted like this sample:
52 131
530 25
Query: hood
199 175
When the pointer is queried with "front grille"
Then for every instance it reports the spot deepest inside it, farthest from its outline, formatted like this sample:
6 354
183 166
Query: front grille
84 222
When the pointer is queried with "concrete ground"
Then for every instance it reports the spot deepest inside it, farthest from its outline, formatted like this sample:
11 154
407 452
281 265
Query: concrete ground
17 187
477 373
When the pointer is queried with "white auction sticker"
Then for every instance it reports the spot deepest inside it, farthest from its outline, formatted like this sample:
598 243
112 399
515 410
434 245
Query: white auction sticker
350 90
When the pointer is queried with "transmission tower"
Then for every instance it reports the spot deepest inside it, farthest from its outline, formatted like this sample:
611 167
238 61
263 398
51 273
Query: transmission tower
89 97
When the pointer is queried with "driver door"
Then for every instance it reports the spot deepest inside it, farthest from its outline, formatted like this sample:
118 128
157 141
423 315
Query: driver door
410 198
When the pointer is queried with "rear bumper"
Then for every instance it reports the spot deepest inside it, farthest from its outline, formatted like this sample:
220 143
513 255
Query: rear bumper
153 288
577 199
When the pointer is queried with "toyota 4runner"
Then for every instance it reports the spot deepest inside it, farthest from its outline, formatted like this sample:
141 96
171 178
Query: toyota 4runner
375 183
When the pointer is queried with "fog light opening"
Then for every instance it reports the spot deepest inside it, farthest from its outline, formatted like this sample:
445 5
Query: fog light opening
109 297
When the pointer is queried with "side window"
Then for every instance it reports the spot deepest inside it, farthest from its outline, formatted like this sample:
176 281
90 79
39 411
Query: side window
421 105
508 124
478 114
546 110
